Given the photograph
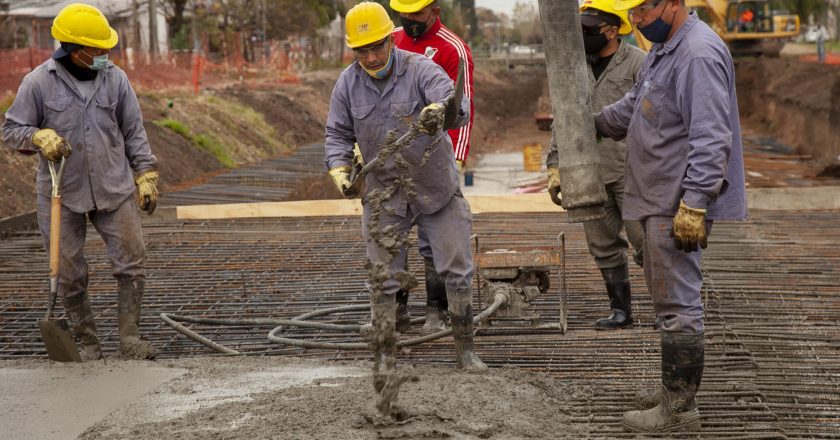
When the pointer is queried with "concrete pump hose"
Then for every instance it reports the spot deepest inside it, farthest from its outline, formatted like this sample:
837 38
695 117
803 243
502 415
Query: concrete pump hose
300 321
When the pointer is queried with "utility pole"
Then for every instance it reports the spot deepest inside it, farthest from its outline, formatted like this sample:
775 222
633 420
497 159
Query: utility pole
574 127
153 30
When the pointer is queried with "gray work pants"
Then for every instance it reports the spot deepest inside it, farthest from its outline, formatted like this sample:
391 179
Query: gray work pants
603 236
673 277
448 233
120 229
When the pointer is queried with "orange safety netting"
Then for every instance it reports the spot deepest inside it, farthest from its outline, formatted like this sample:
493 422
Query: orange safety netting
177 69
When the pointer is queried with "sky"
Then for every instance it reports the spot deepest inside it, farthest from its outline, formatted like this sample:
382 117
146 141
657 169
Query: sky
505 6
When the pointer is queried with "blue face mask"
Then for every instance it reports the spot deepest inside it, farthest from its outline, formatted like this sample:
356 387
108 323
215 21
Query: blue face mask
381 72
99 62
657 32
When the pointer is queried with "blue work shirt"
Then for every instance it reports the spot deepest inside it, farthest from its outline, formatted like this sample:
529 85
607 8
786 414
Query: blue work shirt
360 112
104 129
683 130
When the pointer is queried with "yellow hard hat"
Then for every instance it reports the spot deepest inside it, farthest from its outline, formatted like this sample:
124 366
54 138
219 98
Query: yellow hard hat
607 6
83 24
366 23
409 6
626 5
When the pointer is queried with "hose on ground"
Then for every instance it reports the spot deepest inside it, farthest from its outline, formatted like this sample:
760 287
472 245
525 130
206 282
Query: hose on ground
174 321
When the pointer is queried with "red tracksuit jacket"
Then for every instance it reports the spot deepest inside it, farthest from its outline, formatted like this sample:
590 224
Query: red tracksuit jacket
445 48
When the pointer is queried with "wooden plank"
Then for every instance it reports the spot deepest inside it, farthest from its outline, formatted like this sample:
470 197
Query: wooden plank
538 202
302 208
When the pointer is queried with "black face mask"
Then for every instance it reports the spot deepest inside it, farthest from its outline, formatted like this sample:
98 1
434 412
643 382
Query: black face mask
592 44
413 28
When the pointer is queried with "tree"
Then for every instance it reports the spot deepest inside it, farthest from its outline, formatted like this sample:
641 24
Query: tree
527 28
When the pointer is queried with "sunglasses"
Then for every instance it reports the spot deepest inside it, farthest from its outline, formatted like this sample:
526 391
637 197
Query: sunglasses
594 30
377 48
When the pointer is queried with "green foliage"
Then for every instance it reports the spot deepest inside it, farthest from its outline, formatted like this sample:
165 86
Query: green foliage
803 8
6 102
214 147
204 141
175 126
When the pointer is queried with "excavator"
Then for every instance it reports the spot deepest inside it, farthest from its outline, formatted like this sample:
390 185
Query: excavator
749 27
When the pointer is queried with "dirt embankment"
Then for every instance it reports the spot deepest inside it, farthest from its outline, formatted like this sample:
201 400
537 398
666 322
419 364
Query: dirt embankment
796 102
193 136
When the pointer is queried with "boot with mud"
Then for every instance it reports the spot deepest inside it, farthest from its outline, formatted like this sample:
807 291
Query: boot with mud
617 280
682 370
384 339
129 300
460 311
403 316
437 315
79 311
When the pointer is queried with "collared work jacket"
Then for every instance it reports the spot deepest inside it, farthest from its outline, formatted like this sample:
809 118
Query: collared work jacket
105 131
360 112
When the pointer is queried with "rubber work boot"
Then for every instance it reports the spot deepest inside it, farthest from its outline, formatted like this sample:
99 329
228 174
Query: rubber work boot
79 311
129 299
384 340
617 280
437 315
402 313
460 311
682 369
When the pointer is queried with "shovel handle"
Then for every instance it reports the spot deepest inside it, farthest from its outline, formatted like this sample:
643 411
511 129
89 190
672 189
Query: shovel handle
55 240
55 234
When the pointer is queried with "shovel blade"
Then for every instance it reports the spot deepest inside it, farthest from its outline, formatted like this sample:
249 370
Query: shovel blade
59 340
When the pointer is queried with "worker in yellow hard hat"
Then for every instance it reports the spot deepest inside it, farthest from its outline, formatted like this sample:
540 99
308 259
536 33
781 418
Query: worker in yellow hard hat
614 65
386 93
684 169
78 102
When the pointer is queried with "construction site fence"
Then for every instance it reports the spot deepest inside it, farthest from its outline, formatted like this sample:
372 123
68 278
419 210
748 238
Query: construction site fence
280 61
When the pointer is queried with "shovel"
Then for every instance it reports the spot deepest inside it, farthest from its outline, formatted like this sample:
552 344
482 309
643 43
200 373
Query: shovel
56 333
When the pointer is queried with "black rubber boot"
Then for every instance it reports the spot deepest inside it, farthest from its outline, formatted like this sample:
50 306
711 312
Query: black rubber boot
402 314
129 300
79 311
437 315
617 280
682 369
461 315
384 339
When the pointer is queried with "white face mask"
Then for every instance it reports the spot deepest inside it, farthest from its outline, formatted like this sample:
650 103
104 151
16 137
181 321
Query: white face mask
99 62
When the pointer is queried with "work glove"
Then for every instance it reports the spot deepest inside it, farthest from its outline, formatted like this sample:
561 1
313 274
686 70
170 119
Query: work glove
52 146
341 178
689 228
147 192
431 118
460 165
554 186
358 160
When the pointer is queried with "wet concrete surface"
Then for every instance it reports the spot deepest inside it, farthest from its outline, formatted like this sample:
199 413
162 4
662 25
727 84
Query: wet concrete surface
44 400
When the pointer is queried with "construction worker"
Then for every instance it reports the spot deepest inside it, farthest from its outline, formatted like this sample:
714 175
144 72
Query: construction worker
374 100
684 169
614 65
423 32
79 102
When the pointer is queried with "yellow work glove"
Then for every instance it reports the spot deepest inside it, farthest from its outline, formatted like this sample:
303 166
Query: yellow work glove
554 186
689 228
52 146
147 192
431 118
341 178
460 165
358 160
